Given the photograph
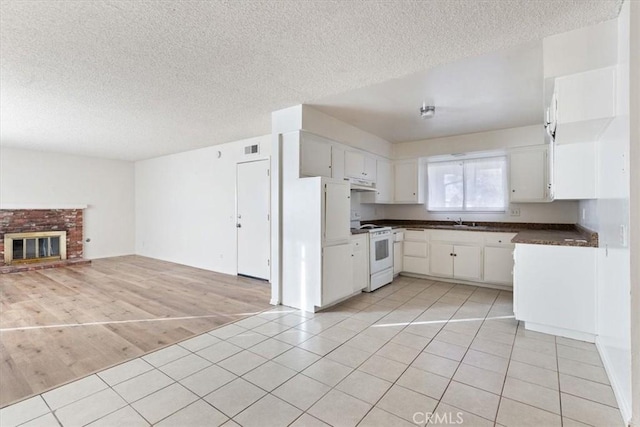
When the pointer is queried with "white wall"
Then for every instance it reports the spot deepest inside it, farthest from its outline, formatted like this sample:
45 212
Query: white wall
634 115
481 141
186 205
563 212
609 216
50 180
322 124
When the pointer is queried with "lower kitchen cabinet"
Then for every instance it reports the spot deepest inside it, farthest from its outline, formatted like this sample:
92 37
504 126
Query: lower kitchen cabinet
554 289
337 276
456 261
498 265
360 261
398 255
415 252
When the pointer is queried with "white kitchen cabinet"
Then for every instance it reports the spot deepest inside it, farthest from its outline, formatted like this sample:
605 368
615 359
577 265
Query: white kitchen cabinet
529 174
360 261
398 255
360 166
441 259
315 156
337 162
575 171
456 261
555 289
336 207
384 184
408 180
415 257
398 250
586 105
498 265
337 277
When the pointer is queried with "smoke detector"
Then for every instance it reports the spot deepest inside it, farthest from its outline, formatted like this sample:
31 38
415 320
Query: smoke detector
427 111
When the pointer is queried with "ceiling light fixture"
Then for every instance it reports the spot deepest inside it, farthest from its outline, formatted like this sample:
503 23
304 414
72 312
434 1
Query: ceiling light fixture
427 111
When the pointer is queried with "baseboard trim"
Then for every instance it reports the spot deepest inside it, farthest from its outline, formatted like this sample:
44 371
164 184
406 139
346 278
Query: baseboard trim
507 288
623 404
561 332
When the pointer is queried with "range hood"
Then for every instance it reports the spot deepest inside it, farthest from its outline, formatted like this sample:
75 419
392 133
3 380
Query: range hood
361 185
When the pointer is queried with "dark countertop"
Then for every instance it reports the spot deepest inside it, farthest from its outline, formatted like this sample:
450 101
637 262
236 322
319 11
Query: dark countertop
529 233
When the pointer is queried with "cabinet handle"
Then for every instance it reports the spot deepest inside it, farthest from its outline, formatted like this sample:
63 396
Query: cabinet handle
455 254
513 191
451 254
499 241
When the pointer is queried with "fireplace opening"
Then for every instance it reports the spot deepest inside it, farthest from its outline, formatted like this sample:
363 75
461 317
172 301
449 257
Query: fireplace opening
35 247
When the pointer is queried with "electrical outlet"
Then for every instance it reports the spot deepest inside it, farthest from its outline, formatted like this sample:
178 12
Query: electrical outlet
514 211
584 214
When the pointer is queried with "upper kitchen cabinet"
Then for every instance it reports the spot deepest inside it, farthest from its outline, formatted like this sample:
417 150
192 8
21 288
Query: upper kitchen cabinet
408 181
315 156
529 174
574 171
583 105
359 166
384 184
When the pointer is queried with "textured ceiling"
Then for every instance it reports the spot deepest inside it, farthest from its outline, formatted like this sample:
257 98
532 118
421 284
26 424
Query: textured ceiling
138 79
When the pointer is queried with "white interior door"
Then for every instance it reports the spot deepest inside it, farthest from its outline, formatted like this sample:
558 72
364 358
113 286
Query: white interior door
253 218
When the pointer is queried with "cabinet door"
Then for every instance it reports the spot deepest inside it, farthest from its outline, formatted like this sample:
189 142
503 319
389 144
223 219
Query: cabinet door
397 257
384 182
575 171
315 158
354 164
336 273
441 256
370 168
337 207
360 260
417 249
498 265
406 182
466 262
337 163
528 172
415 265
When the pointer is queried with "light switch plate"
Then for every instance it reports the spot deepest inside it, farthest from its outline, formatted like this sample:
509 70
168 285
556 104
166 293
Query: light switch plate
514 211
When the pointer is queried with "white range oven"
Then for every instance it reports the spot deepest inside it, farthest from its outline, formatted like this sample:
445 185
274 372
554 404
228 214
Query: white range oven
380 256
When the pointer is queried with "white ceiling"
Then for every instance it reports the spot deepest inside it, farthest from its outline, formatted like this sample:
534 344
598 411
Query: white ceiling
488 92
138 79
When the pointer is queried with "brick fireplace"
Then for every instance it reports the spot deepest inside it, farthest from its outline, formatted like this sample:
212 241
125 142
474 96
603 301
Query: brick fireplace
14 221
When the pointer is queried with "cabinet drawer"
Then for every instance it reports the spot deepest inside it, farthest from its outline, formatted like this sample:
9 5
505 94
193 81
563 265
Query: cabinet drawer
415 249
416 235
415 265
499 239
456 236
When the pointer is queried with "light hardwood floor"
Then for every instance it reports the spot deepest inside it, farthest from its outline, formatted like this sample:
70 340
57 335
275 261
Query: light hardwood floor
123 307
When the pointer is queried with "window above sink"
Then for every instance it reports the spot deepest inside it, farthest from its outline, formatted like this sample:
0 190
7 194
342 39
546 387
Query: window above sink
470 185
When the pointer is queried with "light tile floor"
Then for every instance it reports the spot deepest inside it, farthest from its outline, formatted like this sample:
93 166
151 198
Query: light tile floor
383 359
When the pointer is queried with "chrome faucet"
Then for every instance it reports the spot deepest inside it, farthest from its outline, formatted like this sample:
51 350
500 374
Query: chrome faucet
459 221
